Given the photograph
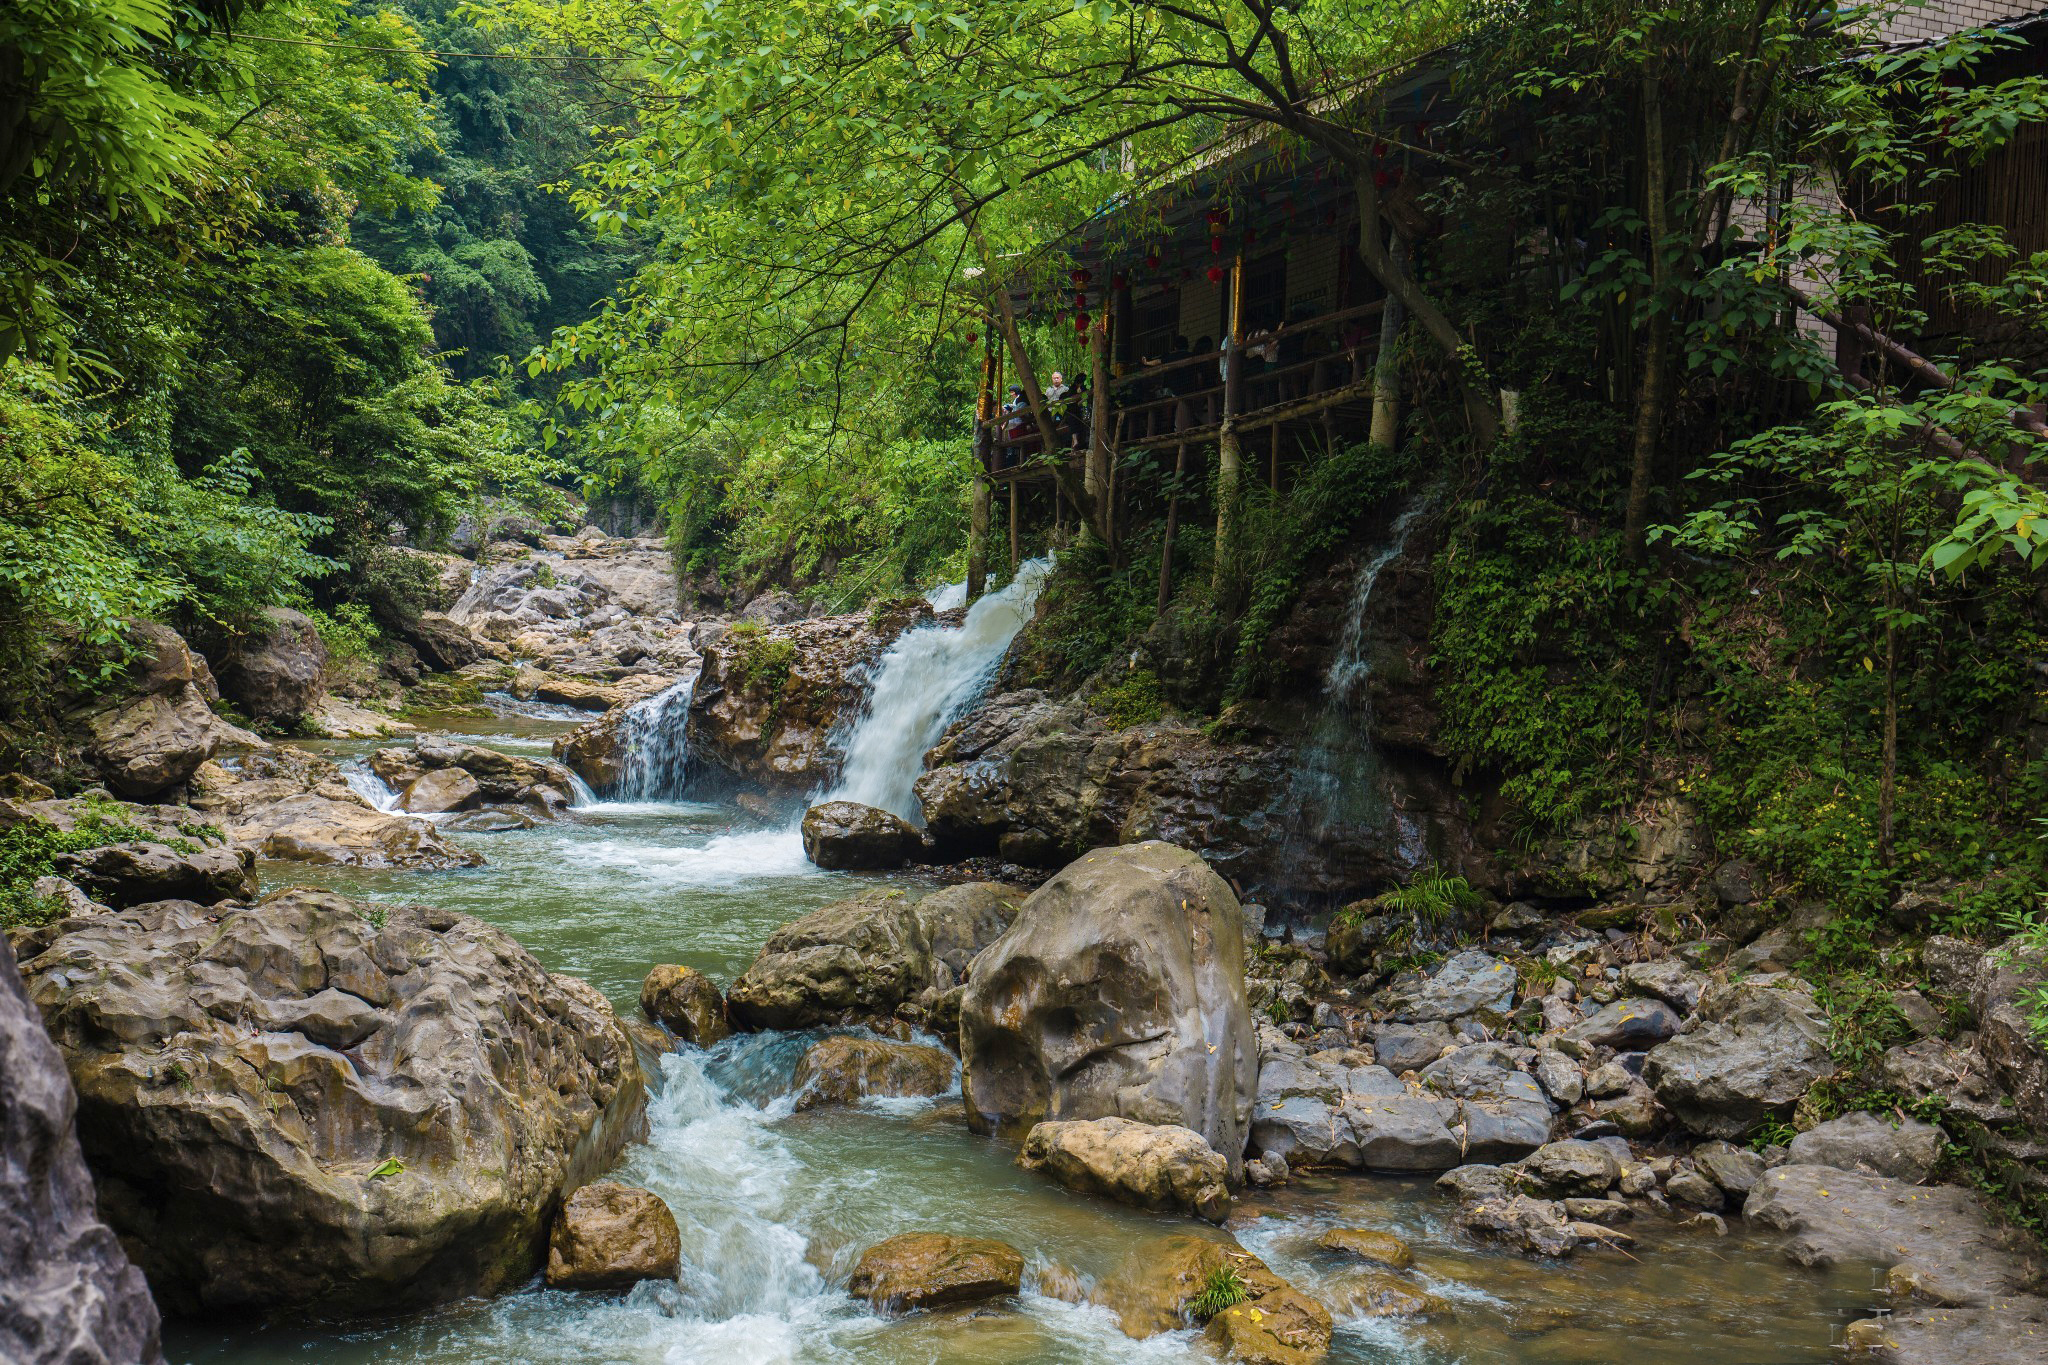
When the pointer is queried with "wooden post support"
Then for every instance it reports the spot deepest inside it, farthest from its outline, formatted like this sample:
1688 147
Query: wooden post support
1015 557
1386 364
1273 472
985 407
1095 474
1180 469
1229 454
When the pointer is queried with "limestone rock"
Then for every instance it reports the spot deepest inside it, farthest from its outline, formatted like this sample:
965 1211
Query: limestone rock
439 791
845 835
155 728
1668 980
932 1269
1735 1169
1471 981
1905 1149
609 1237
68 1294
1154 1166
1282 1327
320 829
1762 1043
845 1070
1369 1244
1376 1294
1153 1289
1934 1068
444 642
1336 1109
965 807
1409 1047
1502 1111
1629 1025
303 1104
1560 1077
848 960
1570 1167
1119 991
121 875
684 1000
275 672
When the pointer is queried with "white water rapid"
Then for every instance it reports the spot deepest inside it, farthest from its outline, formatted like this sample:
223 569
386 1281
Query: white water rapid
927 678
654 734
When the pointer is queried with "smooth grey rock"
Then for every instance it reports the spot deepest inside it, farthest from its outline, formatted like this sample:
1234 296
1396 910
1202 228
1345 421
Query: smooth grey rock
1668 980
1409 1047
1471 981
1317 1110
68 1294
1629 1024
1734 1169
1501 1109
1569 1167
1694 1190
1560 1077
1906 1150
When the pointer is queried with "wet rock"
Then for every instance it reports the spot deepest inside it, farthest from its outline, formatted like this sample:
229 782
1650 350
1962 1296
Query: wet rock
609 1237
851 959
153 730
846 1070
1161 1167
1694 1190
1331 1109
1281 1327
1119 991
1762 1043
1475 1182
1904 1149
1383 1248
68 1294
959 921
335 717
307 1104
274 672
1533 1225
319 829
685 1002
1409 1047
845 835
933 1269
1266 1171
1152 1291
501 779
1668 980
1629 1025
1604 1212
1936 1069
965 807
1560 1077
1570 1167
444 789
1502 1112
1469 982
1378 1295
1732 1168
121 875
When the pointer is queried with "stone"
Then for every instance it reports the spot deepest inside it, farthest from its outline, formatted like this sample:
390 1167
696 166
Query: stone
1518 918
68 1292
1762 1043
1376 1294
852 959
1605 1212
1533 1225
306 1104
121 875
1119 991
1632 1113
1904 1149
846 1070
1570 1167
1382 1248
609 1237
1735 882
1609 1079
845 835
1324 1110
1476 1182
328 830
443 789
1668 980
143 746
965 807
1162 1167
685 1002
1153 1290
1281 1327
1409 1047
1502 1111
1919 1013
1470 981
1735 1169
1560 1077
1266 1171
1629 1025
1934 1068
276 671
959 921
445 643
933 1269
1694 1190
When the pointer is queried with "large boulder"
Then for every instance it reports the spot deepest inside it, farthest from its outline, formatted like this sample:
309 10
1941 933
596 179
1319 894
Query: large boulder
121 875
1118 991
859 960
1761 1044
1470 982
845 835
1338 1108
609 1237
1502 1111
323 829
274 671
1154 1166
151 732
685 1002
1156 1291
1904 1149
310 1104
933 1269
444 642
68 1294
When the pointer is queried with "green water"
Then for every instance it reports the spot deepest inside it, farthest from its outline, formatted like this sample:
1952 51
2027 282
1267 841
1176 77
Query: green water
775 1206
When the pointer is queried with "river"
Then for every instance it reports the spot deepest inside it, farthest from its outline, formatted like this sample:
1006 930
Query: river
775 1206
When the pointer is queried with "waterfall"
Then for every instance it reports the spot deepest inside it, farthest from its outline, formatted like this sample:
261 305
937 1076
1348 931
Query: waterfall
1339 782
922 684
654 741
947 596
366 784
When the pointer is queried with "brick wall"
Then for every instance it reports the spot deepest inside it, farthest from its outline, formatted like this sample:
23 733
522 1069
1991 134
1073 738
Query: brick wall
1939 18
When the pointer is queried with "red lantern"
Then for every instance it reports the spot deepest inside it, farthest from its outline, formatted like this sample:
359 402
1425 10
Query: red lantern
1379 149
1119 281
1215 274
1080 322
1216 245
973 337
1216 217
1080 299
1081 277
1151 260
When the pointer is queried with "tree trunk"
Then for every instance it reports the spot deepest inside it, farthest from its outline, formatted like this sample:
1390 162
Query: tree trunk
1386 364
1656 379
1229 453
1095 473
1180 468
977 524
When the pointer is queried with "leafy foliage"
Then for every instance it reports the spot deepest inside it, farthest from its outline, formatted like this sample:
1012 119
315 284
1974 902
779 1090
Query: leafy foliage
1221 1288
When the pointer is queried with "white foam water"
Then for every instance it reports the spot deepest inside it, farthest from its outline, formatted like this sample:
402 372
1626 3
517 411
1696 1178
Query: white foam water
366 784
655 736
922 684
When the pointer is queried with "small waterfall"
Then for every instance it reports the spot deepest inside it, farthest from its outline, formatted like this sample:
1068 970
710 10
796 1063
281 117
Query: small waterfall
947 596
1339 783
927 678
654 736
366 784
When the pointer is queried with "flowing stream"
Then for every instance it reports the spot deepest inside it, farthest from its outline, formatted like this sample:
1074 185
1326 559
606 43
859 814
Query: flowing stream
775 1206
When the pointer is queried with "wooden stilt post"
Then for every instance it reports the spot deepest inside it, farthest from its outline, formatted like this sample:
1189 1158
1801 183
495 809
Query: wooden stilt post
1273 472
1386 364
984 451
1095 472
1015 558
1229 454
